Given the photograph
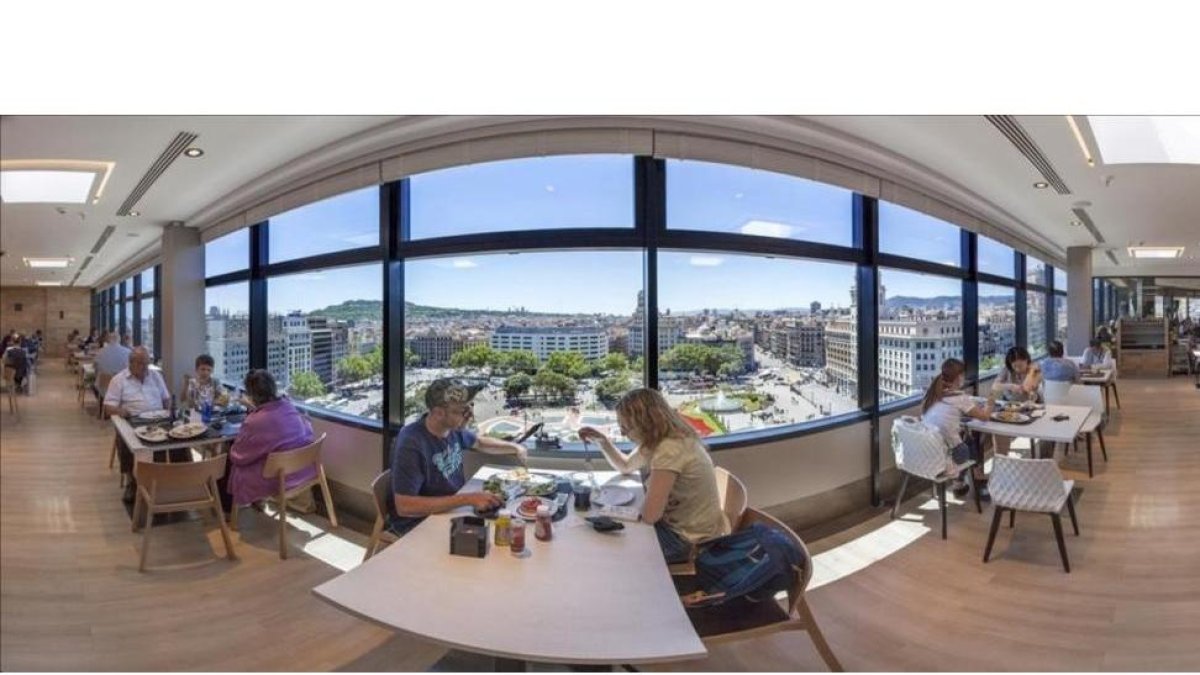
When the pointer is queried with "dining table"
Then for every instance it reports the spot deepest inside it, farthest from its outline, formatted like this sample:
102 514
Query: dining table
583 597
211 440
1043 427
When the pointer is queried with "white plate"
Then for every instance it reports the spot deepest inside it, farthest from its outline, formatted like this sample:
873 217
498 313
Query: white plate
186 431
514 506
153 415
614 495
153 435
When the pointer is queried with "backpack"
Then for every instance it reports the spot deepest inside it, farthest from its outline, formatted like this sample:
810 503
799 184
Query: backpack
756 563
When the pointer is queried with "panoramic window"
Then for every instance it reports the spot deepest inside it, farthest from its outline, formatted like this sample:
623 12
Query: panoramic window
1060 318
736 200
992 257
559 357
997 327
920 326
1035 271
325 338
227 331
127 288
148 281
1035 313
147 325
903 231
542 193
229 253
1060 280
127 319
723 375
339 223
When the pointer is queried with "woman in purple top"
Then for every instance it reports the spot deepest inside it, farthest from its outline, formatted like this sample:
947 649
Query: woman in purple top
272 426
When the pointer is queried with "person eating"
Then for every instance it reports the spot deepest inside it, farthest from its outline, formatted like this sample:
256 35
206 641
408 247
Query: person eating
1096 355
1020 378
133 391
202 386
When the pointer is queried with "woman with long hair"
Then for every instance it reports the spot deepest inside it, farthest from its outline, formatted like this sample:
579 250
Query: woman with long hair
682 501
1021 377
944 406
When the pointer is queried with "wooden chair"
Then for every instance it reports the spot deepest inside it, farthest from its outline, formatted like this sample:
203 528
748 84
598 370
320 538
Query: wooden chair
734 500
381 488
166 488
280 465
102 381
741 619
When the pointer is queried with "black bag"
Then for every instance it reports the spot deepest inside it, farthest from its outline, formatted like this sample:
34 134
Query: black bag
756 563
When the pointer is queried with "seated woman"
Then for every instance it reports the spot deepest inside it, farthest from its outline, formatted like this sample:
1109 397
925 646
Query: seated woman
201 386
682 501
943 407
274 425
1020 379
1097 355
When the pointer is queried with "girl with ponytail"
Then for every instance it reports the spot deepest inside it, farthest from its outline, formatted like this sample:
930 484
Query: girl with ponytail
943 407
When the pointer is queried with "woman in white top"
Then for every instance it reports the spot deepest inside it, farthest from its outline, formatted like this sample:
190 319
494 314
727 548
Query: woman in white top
682 501
944 406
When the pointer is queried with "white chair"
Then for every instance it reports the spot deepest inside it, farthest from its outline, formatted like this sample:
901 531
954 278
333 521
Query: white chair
1034 485
1055 393
1090 397
920 451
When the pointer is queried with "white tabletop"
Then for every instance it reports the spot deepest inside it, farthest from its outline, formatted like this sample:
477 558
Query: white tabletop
1043 428
582 598
1103 377
137 447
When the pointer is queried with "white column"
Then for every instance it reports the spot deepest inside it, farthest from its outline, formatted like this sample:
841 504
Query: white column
1079 298
182 292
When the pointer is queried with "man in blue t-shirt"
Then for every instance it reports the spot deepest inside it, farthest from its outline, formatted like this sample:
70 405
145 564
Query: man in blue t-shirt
427 459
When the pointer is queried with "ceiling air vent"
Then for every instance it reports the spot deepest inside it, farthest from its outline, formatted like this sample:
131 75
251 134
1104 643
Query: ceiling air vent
1087 222
1112 257
108 232
86 261
75 278
156 170
1016 135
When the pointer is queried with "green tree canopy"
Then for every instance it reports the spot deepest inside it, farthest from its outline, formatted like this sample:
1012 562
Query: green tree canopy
354 368
475 356
613 386
614 362
306 385
521 360
554 384
571 364
517 384
699 358
411 358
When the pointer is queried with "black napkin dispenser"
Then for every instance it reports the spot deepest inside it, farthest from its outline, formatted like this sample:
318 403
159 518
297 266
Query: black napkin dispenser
468 536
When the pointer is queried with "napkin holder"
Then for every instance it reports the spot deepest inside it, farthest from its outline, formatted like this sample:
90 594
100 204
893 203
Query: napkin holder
468 536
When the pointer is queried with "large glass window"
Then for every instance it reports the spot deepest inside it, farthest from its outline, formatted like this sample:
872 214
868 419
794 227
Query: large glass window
992 257
997 327
1060 280
127 321
227 331
920 326
339 223
903 231
543 193
229 253
560 355
325 338
749 342
1035 271
147 325
148 281
127 288
1060 318
732 199
1035 313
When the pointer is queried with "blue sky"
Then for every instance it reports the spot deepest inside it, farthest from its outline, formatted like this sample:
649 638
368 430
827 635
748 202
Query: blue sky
596 191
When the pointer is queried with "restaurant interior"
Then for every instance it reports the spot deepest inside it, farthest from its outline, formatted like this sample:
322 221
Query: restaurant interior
385 392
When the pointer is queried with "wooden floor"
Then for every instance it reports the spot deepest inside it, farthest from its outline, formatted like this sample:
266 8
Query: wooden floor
891 595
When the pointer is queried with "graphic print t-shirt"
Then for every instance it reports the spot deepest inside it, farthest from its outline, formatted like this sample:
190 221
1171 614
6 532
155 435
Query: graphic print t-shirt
424 465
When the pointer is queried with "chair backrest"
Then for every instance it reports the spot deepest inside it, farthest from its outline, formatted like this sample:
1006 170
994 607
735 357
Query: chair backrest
158 476
802 576
381 488
1025 484
102 380
1055 392
919 448
732 493
291 461
1086 396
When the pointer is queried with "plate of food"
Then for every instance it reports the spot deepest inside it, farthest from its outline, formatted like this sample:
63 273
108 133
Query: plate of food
1011 417
151 434
614 495
153 415
189 430
526 507
520 481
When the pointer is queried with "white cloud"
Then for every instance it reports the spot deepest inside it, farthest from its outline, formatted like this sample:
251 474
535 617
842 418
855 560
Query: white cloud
463 263
767 228
549 188
706 261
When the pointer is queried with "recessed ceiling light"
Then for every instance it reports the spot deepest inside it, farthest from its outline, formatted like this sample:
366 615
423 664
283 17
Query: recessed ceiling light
135 214
1076 223
1156 251
54 181
48 262
49 283
1041 185
1087 154
1133 139
193 152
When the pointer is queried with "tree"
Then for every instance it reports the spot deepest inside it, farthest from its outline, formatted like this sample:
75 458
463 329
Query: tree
554 384
306 385
415 404
571 364
611 387
614 362
697 358
354 368
517 384
520 360
475 356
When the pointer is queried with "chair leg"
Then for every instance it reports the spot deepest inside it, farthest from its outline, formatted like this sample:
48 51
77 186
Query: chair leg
328 496
1071 510
282 526
941 493
1012 518
373 542
221 523
138 504
1062 545
1089 451
974 488
146 537
1103 450
900 494
1075 445
112 456
233 514
1105 387
818 638
987 552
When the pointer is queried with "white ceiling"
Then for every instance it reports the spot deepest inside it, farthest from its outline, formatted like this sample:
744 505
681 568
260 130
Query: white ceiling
237 150
1154 203
1158 204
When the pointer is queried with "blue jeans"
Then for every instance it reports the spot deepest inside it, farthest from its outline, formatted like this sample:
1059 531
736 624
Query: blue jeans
675 548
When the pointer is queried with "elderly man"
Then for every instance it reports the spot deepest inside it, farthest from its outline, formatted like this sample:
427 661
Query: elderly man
114 357
135 390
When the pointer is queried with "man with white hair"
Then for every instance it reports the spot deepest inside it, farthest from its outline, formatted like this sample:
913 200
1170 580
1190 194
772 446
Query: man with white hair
133 391
113 357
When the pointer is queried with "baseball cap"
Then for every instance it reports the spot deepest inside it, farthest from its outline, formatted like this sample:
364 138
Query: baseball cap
448 390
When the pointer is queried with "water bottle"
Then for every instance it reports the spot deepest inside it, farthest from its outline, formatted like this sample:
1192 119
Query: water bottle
206 411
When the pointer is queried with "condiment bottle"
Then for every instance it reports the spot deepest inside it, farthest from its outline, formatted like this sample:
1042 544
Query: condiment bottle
503 526
542 528
516 541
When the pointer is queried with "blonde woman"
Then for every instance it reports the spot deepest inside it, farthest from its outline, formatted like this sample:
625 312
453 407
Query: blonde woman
682 502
